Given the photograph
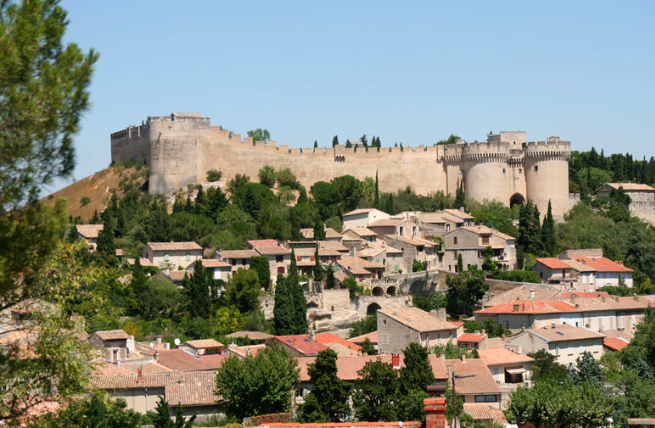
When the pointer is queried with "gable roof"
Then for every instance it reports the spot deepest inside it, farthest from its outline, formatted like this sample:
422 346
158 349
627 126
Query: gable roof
601 264
471 338
238 254
484 412
459 214
204 344
181 361
302 343
552 263
564 333
472 376
498 356
259 243
308 233
89 230
328 338
359 231
111 335
615 343
629 187
357 266
417 319
174 246
214 263
360 211
530 307
253 335
372 337
273 251
415 241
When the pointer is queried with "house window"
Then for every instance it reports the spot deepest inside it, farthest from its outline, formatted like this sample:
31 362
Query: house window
167 258
280 269
485 399
304 258
570 349
485 239
455 240
188 257
243 262
234 262
447 228
279 258
595 348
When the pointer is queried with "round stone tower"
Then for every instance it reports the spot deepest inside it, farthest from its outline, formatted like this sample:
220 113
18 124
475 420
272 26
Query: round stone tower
485 171
547 174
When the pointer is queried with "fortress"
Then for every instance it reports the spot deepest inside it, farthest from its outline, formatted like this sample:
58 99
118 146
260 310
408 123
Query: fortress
182 147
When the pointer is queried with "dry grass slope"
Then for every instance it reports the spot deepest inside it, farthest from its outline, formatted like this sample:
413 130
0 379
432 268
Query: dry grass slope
98 188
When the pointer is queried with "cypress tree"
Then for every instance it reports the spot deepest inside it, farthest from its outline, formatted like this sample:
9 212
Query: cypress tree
329 277
318 269
460 197
319 230
96 218
197 291
300 325
315 144
73 235
548 233
335 141
105 243
460 263
283 309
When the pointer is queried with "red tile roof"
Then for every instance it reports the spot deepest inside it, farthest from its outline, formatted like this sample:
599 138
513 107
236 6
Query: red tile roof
471 338
601 264
260 243
472 376
585 294
553 263
180 360
497 356
373 337
615 344
326 338
531 307
302 343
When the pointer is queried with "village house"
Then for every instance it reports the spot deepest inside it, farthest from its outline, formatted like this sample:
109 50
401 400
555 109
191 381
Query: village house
237 259
637 192
472 243
474 381
564 341
393 226
90 232
174 255
202 347
357 234
415 248
506 366
381 253
220 269
363 217
305 252
436 224
279 257
360 269
475 340
299 345
243 352
117 345
522 314
399 327
583 270
187 360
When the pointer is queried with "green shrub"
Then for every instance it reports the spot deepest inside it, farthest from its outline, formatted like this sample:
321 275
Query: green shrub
85 200
214 175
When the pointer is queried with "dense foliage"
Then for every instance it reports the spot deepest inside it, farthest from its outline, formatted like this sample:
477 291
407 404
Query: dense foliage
328 400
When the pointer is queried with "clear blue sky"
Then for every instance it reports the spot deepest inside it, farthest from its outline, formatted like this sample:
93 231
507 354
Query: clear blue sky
410 72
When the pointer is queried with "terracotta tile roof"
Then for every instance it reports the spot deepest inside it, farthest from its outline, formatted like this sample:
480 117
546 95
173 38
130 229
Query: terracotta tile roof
111 335
629 186
471 338
484 412
359 231
327 338
204 344
497 356
302 343
373 337
262 243
615 344
473 377
254 335
180 360
332 245
484 230
417 319
564 333
387 222
238 254
330 233
601 264
89 231
457 324
359 211
459 214
272 251
522 292
103 368
244 351
151 367
553 263
174 275
348 366
614 303
358 266
530 307
415 241
584 294
196 392
214 263
174 246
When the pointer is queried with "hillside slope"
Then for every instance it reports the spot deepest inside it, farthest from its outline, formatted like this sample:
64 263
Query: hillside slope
98 189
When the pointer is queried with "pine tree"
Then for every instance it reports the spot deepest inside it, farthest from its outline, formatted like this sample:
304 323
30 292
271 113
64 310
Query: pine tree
95 219
548 233
73 235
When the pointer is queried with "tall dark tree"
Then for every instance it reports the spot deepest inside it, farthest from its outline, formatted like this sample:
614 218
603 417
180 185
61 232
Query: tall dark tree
377 192
415 376
328 401
335 141
163 417
197 288
375 394
243 291
529 229
261 265
329 277
283 310
72 235
319 230
95 219
318 269
460 197
105 242
548 233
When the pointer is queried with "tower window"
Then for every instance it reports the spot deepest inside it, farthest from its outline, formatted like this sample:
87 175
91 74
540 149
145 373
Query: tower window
536 168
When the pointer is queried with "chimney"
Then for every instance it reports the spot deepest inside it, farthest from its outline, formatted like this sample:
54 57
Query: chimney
602 299
395 361
167 345
139 374
247 352
159 341
464 357
441 314
435 412
517 308
532 294
312 335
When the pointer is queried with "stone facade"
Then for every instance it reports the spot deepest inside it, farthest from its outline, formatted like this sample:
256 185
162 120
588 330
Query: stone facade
182 147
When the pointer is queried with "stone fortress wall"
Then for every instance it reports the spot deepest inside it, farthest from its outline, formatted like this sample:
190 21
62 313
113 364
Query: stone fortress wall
182 147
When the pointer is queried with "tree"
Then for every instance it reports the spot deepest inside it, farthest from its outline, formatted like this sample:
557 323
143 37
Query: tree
415 376
290 310
464 291
95 219
587 369
368 348
329 277
529 229
243 291
548 233
318 269
259 134
196 288
319 231
315 144
452 139
328 400
260 264
105 242
551 404
162 418
72 235
460 197
97 410
286 178
364 326
436 300
214 175
376 392
158 296
258 385
335 141
376 202
460 263
267 176
545 368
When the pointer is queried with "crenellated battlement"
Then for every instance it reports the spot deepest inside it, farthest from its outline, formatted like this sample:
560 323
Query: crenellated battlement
553 148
